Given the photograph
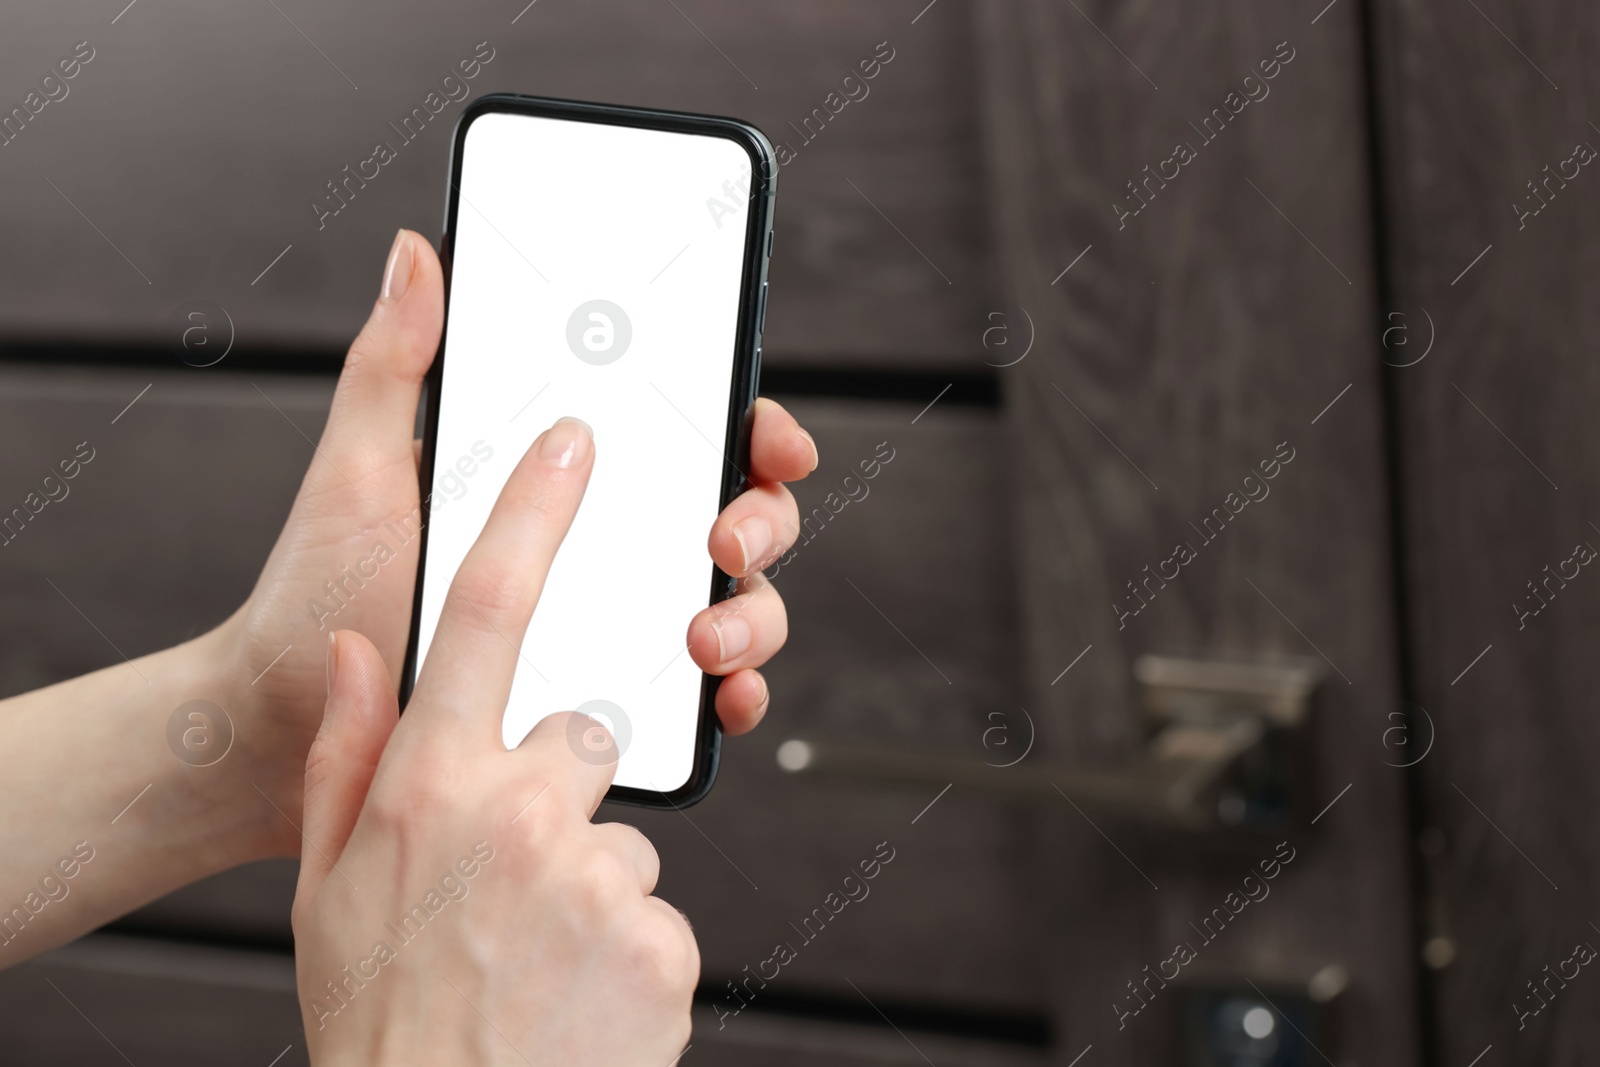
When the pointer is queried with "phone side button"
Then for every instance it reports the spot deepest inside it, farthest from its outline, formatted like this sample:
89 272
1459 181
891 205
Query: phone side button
761 311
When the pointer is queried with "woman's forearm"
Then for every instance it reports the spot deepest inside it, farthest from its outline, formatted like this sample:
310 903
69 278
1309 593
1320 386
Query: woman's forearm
114 796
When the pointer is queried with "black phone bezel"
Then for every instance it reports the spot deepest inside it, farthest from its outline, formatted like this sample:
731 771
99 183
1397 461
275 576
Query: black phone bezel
743 387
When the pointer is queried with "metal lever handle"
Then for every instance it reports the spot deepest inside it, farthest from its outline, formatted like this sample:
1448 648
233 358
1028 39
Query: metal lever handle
1218 751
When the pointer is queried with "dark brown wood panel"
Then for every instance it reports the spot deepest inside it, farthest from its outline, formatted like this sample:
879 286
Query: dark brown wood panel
161 535
113 999
902 632
107 1000
1501 486
197 137
1194 340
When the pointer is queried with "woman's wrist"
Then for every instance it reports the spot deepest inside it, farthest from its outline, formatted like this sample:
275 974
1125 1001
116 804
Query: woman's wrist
254 772
211 801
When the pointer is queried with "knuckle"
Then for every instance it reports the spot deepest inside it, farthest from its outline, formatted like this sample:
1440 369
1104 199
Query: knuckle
788 524
641 843
659 954
536 503
321 764
380 353
768 605
485 595
537 827
309 916
423 795
603 884
364 351
390 810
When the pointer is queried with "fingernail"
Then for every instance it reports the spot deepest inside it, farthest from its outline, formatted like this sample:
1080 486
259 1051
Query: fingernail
816 457
754 535
766 696
567 443
333 659
733 637
397 274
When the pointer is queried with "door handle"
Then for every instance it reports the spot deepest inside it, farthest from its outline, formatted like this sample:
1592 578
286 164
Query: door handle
1223 743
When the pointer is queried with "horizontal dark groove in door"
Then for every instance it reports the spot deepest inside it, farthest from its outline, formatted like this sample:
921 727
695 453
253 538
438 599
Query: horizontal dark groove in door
1023 1028
978 388
868 378
204 932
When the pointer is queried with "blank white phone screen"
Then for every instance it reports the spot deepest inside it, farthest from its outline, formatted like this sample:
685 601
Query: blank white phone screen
596 274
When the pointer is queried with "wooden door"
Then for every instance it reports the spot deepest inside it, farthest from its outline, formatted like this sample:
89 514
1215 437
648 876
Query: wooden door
1181 205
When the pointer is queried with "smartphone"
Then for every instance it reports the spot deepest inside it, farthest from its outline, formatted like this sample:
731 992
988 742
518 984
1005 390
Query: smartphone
607 263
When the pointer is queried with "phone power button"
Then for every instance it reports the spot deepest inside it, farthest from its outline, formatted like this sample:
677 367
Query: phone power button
761 311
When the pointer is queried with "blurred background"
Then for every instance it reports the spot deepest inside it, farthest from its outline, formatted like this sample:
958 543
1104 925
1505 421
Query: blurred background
1214 656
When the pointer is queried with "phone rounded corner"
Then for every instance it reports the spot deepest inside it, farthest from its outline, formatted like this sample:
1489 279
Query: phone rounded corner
481 105
758 146
472 111
693 791
690 793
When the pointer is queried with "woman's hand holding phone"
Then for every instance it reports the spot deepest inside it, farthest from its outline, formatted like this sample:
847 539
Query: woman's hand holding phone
266 666
364 474
455 903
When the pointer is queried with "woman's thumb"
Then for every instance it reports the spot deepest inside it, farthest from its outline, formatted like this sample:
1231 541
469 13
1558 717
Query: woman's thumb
359 717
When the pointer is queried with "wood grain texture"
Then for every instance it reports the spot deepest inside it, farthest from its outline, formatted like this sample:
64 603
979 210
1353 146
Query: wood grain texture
1178 353
1499 415
197 137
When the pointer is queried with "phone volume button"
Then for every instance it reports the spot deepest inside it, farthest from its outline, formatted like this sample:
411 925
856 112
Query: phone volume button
761 311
